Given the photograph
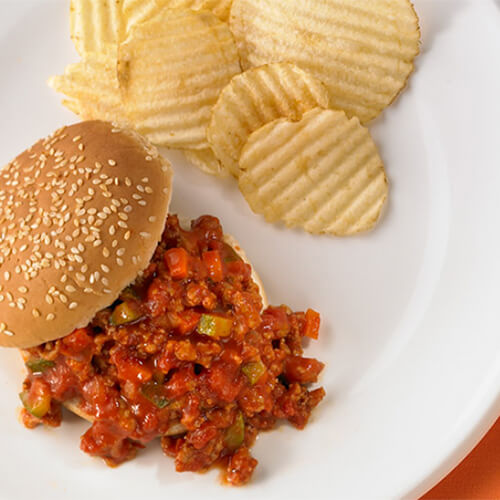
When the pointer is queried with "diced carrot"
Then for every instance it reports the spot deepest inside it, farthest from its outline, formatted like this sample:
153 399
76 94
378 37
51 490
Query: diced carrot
311 328
177 261
213 263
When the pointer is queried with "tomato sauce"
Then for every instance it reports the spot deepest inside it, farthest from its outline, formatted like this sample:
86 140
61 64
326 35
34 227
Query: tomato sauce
185 354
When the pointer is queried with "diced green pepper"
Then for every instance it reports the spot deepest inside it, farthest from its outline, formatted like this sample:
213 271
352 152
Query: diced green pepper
39 365
38 406
253 371
124 313
155 393
235 434
214 326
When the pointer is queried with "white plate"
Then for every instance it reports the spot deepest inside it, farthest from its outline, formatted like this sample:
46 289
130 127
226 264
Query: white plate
411 312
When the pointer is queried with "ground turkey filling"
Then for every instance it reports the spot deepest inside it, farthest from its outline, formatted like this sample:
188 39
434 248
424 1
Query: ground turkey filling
185 354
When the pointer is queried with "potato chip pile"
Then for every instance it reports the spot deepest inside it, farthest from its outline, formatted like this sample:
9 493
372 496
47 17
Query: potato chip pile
275 92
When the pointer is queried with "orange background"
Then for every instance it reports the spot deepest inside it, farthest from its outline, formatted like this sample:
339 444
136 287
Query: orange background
477 477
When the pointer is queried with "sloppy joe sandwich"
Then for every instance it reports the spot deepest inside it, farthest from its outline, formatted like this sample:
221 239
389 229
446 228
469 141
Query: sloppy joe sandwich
146 327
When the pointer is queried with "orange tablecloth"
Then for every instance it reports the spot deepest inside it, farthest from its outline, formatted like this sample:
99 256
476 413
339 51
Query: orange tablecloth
477 477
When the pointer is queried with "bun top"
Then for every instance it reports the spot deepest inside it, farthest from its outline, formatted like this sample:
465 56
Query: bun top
81 213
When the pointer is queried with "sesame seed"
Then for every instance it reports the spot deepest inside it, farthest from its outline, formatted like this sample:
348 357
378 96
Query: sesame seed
119 261
148 190
80 277
152 218
112 230
112 163
36 313
73 305
6 275
126 236
49 299
88 290
77 138
23 289
145 234
120 252
105 268
128 182
122 224
142 203
50 317
105 252
8 333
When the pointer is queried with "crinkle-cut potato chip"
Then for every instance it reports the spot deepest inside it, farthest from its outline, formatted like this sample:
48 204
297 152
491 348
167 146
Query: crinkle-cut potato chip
256 97
206 161
137 11
171 70
96 25
92 88
322 173
363 50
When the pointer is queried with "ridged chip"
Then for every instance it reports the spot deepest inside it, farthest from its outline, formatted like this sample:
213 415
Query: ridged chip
171 70
96 25
256 97
322 173
137 11
206 161
363 50
91 87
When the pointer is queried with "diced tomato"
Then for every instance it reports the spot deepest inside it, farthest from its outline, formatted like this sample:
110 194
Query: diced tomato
100 397
213 263
181 382
224 380
311 327
177 261
188 320
303 370
131 368
104 441
76 342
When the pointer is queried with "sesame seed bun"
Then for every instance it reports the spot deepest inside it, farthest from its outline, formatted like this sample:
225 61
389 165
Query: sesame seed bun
81 213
